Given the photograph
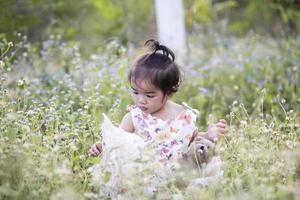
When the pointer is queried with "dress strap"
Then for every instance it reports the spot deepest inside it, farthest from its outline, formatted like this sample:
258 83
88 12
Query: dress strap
195 111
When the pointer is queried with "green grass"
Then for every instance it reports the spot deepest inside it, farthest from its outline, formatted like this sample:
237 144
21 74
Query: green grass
52 100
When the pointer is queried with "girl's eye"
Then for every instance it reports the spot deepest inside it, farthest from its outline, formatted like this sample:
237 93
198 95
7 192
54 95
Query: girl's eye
150 96
134 92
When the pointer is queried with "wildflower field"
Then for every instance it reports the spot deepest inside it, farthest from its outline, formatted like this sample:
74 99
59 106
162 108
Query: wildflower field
52 99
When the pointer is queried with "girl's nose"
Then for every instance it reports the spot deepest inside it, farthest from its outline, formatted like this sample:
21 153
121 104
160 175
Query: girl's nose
142 99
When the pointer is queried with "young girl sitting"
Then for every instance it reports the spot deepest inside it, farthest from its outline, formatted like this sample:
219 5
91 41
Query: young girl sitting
166 125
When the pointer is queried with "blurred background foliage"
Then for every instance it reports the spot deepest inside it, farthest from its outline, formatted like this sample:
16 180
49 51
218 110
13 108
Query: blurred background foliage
268 17
92 21
88 21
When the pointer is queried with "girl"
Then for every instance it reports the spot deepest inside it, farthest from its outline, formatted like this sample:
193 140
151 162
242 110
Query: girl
166 125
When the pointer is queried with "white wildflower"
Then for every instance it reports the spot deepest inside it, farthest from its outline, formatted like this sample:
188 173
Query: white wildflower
30 112
91 195
2 64
10 44
244 123
27 145
234 103
20 83
266 130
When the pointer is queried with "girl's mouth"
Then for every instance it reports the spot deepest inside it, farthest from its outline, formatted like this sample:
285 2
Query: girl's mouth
143 108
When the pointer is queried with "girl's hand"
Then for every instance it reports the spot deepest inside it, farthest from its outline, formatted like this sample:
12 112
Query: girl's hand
96 149
215 131
222 125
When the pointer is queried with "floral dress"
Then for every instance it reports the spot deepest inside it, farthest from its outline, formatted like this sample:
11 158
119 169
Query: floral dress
169 137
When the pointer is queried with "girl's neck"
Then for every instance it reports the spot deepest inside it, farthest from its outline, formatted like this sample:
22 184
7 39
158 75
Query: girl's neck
163 110
168 111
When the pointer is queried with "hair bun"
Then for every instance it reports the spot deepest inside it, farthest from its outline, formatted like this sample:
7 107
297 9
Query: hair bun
154 46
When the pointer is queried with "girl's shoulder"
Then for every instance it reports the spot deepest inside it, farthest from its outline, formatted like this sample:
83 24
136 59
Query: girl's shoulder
183 107
176 108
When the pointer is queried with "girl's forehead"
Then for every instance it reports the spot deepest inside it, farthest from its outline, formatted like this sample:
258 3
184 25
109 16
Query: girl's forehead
144 85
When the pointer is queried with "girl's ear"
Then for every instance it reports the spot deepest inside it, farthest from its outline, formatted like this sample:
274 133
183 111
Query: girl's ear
165 98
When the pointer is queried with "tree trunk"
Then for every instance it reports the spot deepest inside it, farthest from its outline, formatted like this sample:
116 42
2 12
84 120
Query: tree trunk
171 26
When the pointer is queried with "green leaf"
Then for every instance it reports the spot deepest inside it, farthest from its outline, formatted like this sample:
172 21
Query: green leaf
107 176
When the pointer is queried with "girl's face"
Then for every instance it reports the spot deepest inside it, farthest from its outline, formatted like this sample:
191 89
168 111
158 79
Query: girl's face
147 97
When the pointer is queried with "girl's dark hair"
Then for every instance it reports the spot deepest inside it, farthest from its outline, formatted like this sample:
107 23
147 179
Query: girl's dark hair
158 67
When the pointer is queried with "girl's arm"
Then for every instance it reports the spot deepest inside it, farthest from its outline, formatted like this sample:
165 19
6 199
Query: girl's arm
96 149
214 132
127 124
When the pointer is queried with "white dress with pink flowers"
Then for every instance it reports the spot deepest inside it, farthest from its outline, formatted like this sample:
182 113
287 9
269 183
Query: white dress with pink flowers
170 137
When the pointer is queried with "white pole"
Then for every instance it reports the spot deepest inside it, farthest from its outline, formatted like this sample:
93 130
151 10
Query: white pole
171 26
